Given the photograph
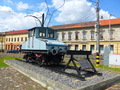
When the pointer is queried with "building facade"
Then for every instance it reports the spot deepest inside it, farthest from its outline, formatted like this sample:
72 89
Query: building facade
14 39
2 40
82 36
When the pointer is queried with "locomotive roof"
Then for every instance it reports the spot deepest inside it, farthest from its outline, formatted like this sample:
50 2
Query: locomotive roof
40 27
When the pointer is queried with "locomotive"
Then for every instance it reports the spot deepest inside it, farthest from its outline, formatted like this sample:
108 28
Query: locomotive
43 47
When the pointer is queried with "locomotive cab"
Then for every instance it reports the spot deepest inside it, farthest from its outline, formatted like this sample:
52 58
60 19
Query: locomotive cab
42 32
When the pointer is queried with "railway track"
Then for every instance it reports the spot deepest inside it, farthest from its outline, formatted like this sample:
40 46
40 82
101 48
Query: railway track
70 71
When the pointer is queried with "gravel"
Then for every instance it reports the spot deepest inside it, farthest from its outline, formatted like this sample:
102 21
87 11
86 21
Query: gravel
64 79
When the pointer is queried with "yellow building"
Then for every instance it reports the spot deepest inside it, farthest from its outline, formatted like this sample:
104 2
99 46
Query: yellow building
2 40
82 36
14 39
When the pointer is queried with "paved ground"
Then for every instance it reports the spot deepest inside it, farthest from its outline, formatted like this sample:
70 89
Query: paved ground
114 87
11 79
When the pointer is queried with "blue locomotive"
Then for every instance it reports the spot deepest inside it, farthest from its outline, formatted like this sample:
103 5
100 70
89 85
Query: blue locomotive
43 47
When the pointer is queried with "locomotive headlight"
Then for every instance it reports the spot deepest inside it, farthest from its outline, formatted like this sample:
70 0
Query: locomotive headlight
54 51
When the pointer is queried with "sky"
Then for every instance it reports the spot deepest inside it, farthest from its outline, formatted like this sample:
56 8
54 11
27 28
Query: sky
26 14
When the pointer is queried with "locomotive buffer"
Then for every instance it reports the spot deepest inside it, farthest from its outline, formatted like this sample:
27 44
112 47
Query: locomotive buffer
85 64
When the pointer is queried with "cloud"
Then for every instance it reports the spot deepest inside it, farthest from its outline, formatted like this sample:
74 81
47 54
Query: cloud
22 6
8 1
106 15
10 20
75 11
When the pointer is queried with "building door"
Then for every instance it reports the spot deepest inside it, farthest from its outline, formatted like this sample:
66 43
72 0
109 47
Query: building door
11 47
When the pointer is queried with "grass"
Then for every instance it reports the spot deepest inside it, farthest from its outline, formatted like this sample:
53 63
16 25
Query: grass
2 64
109 68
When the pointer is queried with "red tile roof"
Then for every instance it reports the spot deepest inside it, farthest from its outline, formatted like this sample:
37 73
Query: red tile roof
86 24
112 21
75 25
17 31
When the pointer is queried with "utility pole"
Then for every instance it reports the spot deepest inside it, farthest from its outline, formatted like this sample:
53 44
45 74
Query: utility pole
98 35
97 27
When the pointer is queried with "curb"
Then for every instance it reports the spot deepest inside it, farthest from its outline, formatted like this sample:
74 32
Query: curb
103 84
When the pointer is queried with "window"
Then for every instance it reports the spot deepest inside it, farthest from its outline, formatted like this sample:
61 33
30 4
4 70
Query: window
42 33
25 38
84 35
101 49
50 34
76 47
6 39
101 35
111 48
18 39
63 36
31 33
21 38
69 35
9 39
14 39
92 35
84 47
92 48
76 35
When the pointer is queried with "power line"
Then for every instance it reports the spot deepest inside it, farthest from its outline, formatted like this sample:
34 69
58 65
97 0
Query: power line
54 12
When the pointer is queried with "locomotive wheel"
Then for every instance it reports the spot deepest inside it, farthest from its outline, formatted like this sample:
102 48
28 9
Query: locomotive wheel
27 59
40 63
40 60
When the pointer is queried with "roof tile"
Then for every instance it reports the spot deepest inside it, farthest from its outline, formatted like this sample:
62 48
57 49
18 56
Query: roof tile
17 31
87 24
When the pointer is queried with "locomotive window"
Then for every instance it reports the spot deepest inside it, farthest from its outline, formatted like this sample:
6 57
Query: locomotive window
42 33
50 34
31 33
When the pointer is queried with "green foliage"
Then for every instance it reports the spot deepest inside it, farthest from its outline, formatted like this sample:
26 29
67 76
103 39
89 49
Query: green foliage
2 64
